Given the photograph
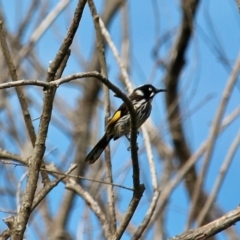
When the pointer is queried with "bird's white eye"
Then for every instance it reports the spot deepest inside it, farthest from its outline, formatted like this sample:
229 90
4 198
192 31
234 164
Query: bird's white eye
140 93
150 89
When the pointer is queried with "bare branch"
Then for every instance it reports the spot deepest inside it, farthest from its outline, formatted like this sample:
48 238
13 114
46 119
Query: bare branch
102 61
238 3
130 211
49 186
48 168
223 171
212 136
40 30
19 90
63 50
148 215
165 193
132 113
35 162
92 204
212 228
20 94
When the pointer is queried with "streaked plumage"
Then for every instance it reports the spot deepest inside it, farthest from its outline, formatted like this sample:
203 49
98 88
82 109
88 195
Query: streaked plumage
119 124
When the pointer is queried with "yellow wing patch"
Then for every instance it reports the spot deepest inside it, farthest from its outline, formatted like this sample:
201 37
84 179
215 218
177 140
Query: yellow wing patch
115 117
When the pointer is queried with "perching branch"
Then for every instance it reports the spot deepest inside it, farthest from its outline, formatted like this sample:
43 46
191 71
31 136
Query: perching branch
103 67
138 189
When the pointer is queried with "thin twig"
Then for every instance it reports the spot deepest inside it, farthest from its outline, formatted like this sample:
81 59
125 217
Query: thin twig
151 161
8 211
63 65
35 162
55 172
18 193
148 216
49 168
211 229
49 186
130 211
84 114
27 18
125 41
21 220
64 48
72 185
102 61
212 137
124 73
156 194
138 189
172 79
134 154
169 187
41 29
57 83
20 94
233 148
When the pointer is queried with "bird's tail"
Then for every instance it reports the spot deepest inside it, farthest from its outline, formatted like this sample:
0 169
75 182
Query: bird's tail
98 149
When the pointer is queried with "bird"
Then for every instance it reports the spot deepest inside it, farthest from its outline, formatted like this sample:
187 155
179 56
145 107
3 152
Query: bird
120 123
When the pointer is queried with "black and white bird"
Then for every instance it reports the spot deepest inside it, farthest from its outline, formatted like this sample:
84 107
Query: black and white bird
119 124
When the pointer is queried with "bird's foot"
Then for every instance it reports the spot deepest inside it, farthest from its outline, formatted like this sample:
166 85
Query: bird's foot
128 136
129 148
129 139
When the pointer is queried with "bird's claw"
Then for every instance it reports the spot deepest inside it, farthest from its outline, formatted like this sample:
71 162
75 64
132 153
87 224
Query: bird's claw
129 148
129 136
129 139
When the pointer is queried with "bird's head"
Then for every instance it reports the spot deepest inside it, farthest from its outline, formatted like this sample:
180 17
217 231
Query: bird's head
147 92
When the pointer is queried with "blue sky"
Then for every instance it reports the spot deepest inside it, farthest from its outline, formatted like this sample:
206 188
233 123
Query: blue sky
217 27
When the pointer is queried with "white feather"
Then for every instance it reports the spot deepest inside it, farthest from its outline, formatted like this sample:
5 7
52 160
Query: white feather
152 94
139 92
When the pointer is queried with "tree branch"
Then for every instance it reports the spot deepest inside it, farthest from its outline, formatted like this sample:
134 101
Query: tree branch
103 66
212 228
212 137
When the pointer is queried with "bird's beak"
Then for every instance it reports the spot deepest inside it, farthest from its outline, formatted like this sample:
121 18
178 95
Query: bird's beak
160 90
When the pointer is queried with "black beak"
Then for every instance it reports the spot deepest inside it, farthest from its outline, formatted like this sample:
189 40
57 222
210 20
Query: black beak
160 90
